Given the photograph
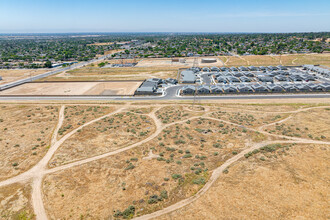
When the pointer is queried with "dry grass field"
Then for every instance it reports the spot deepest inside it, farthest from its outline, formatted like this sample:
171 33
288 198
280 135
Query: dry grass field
313 124
17 74
291 183
166 160
167 62
25 136
109 134
122 73
285 60
16 202
77 115
173 166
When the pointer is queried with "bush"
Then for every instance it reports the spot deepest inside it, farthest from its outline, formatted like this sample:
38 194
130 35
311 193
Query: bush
199 181
130 167
129 212
187 156
163 194
176 176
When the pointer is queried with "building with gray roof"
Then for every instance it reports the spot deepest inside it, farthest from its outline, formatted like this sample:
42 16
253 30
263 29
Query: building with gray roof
188 76
216 89
203 89
189 89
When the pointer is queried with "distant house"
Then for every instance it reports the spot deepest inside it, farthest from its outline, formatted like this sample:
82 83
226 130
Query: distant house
253 68
296 78
188 76
302 87
275 88
249 74
243 68
259 88
238 74
230 89
171 81
262 68
281 78
216 89
222 79
233 79
233 69
245 79
289 88
315 87
245 89
224 69
326 87
203 90
215 69
188 89
271 68
265 79
206 69
308 77
280 67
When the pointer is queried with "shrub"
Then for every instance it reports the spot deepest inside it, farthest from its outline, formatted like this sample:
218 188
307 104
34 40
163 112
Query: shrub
130 167
199 181
15 164
178 162
187 156
176 176
234 152
163 194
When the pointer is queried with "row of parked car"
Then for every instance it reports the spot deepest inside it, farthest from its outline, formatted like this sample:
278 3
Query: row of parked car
256 88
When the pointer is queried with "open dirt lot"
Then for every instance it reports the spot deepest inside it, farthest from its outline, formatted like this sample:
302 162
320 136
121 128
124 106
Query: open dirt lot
122 73
286 60
171 161
167 62
14 75
74 88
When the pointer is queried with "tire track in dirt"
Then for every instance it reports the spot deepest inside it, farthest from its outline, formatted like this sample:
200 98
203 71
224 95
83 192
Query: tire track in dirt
214 177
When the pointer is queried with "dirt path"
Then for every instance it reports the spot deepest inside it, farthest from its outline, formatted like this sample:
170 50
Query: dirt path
215 175
293 61
41 168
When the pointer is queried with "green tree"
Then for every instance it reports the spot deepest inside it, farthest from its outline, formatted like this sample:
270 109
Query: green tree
48 64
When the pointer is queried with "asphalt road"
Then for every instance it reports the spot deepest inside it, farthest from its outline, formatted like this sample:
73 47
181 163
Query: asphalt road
40 76
171 95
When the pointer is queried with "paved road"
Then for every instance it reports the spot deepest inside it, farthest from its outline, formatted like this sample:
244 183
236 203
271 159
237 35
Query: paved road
40 76
169 96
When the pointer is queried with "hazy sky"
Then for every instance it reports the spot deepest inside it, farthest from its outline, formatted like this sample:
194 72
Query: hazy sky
28 16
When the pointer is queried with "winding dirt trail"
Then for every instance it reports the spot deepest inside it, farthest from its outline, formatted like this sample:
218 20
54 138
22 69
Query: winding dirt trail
37 172
215 175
